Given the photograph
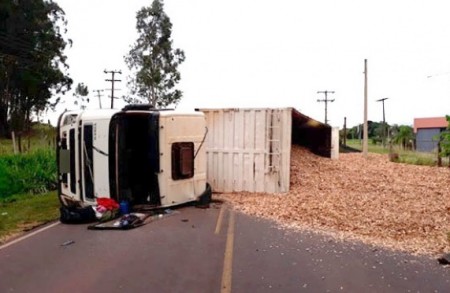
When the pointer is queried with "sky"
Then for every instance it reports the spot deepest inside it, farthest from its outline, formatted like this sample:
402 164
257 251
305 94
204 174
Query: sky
260 53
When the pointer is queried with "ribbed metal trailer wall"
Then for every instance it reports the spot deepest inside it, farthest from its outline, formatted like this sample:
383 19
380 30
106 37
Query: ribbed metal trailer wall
248 149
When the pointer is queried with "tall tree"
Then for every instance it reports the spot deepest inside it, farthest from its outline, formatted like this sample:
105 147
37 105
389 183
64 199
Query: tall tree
32 62
81 95
152 60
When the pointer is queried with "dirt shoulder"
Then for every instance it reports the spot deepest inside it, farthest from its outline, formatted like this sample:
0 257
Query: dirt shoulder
393 205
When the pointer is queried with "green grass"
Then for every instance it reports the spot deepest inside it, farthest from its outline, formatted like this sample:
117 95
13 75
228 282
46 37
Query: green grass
405 156
26 181
379 149
415 158
22 212
34 172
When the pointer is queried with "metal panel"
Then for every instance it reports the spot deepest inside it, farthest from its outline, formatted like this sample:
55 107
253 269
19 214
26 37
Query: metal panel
427 139
248 149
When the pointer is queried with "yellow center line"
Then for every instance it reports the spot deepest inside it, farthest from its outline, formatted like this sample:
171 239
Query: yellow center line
219 219
228 259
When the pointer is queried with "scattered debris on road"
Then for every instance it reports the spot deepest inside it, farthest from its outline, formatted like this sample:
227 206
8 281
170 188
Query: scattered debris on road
133 220
445 259
404 207
68 242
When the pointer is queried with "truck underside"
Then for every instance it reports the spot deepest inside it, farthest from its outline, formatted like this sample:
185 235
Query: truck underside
134 158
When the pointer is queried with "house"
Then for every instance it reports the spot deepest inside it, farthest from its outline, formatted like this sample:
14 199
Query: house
427 131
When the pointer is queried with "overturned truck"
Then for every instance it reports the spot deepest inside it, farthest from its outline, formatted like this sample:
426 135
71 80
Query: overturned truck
146 157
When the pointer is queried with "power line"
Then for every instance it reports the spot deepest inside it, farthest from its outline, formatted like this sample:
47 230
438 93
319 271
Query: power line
112 80
326 101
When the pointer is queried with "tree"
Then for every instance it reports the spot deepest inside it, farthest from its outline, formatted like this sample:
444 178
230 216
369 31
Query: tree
445 141
403 135
31 60
152 59
81 93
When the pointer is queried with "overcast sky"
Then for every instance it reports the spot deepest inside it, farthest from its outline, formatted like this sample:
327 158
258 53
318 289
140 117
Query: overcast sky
260 53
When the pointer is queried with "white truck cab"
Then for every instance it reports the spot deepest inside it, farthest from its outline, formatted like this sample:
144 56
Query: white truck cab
150 158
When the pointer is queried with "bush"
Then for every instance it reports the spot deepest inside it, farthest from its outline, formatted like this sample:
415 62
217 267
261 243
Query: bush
33 172
417 159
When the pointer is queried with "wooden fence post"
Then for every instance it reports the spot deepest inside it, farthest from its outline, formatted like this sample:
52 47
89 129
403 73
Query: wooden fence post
14 142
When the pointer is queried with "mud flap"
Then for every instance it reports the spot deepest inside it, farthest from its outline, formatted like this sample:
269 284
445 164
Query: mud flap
205 198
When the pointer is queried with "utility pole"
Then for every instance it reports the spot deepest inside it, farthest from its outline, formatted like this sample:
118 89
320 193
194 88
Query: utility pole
366 128
112 80
384 121
326 101
345 131
99 97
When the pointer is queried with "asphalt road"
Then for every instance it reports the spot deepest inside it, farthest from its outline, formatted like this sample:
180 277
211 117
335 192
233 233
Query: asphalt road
208 250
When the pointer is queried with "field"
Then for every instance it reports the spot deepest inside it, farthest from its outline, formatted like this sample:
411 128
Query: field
394 205
405 156
40 137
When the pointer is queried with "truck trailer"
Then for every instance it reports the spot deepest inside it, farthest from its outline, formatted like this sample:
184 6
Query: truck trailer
149 158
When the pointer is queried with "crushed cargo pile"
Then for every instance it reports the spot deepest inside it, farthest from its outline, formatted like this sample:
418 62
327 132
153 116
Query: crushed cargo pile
373 200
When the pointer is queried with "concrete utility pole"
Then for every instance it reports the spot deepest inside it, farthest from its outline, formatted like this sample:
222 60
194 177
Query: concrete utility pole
366 128
99 97
112 80
326 101
384 121
345 131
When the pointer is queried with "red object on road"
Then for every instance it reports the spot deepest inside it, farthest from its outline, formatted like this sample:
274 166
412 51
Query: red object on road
109 203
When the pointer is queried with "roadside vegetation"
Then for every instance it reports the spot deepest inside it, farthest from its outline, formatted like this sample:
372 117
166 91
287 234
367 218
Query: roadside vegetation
399 142
32 173
23 212
404 155
34 170
28 182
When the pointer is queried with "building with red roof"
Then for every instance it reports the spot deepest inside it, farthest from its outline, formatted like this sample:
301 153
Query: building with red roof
427 131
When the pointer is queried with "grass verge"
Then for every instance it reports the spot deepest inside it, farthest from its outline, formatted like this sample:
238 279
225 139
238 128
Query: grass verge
405 156
19 213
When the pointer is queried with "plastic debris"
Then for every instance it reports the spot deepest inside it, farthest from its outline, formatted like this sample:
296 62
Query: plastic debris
68 242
